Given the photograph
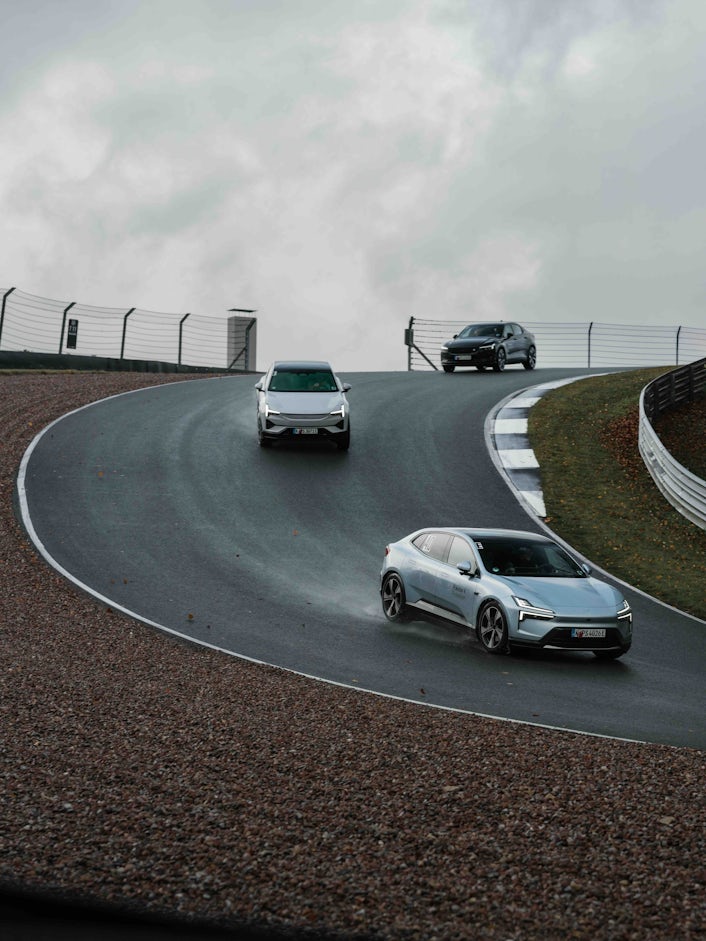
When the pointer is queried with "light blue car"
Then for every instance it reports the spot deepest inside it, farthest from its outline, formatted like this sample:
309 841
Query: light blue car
512 588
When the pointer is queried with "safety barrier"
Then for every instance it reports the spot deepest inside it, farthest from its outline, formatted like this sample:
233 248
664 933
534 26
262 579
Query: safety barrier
684 490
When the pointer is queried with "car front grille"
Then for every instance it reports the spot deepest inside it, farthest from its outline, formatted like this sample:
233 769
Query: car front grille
561 638
292 416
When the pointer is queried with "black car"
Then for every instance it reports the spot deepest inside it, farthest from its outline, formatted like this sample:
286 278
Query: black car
490 344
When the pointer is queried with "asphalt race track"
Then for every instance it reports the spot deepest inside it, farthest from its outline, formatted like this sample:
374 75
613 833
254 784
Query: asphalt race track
161 502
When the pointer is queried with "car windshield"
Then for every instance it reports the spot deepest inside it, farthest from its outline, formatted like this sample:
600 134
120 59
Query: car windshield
302 380
513 555
482 330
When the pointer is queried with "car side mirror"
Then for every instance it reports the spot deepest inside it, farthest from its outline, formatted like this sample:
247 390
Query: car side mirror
347 387
586 567
258 385
465 568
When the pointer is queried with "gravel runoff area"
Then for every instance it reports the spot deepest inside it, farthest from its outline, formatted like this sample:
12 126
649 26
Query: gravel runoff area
144 772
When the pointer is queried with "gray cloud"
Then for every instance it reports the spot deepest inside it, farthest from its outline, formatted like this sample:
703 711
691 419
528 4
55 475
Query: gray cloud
342 168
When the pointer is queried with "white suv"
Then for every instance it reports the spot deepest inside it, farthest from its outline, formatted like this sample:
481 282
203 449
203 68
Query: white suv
296 399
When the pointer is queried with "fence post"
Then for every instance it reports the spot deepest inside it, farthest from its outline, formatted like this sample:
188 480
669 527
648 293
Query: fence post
122 344
590 329
181 325
409 340
678 332
63 325
2 313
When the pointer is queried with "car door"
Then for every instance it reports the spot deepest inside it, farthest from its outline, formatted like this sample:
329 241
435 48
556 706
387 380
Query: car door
459 593
426 564
512 341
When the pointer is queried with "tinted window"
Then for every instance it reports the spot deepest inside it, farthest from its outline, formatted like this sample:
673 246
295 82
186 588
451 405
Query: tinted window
562 563
433 544
482 330
460 551
513 555
302 380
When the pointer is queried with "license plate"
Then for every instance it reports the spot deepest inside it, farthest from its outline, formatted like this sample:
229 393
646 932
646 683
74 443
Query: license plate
305 431
464 357
579 633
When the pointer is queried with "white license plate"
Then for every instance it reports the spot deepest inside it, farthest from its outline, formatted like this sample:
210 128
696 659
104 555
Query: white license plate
305 431
581 632
464 357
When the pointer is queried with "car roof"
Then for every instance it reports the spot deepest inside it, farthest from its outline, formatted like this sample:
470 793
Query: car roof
301 364
476 533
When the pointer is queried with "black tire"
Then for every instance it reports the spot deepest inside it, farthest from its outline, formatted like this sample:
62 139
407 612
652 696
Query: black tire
343 442
531 360
448 368
500 359
262 440
393 599
610 654
491 628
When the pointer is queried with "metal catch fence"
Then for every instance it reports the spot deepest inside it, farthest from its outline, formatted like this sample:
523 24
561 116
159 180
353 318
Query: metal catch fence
566 344
37 324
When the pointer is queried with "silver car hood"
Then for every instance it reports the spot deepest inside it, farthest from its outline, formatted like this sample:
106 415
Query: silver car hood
567 594
305 403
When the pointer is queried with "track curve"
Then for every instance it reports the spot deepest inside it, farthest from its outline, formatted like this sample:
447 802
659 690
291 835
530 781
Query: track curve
160 502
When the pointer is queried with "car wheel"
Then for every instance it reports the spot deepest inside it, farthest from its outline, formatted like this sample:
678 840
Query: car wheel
492 628
343 442
610 654
500 359
448 368
531 360
262 440
393 599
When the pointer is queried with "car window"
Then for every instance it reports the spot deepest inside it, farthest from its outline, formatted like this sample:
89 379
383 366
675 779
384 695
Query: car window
513 555
562 564
302 380
481 330
433 545
460 551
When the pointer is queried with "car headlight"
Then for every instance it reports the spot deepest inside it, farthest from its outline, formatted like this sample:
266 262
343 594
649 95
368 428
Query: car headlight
624 612
271 411
488 346
339 411
529 610
444 348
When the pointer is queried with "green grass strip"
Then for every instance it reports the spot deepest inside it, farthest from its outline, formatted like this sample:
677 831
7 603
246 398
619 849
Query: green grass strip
600 497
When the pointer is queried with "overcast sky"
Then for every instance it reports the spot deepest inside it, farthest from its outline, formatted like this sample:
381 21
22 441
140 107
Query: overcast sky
342 166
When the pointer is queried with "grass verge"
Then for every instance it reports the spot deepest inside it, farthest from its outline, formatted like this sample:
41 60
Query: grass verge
600 497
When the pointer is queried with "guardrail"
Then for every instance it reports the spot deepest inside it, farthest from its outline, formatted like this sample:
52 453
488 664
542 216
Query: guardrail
684 490
30 324
591 344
